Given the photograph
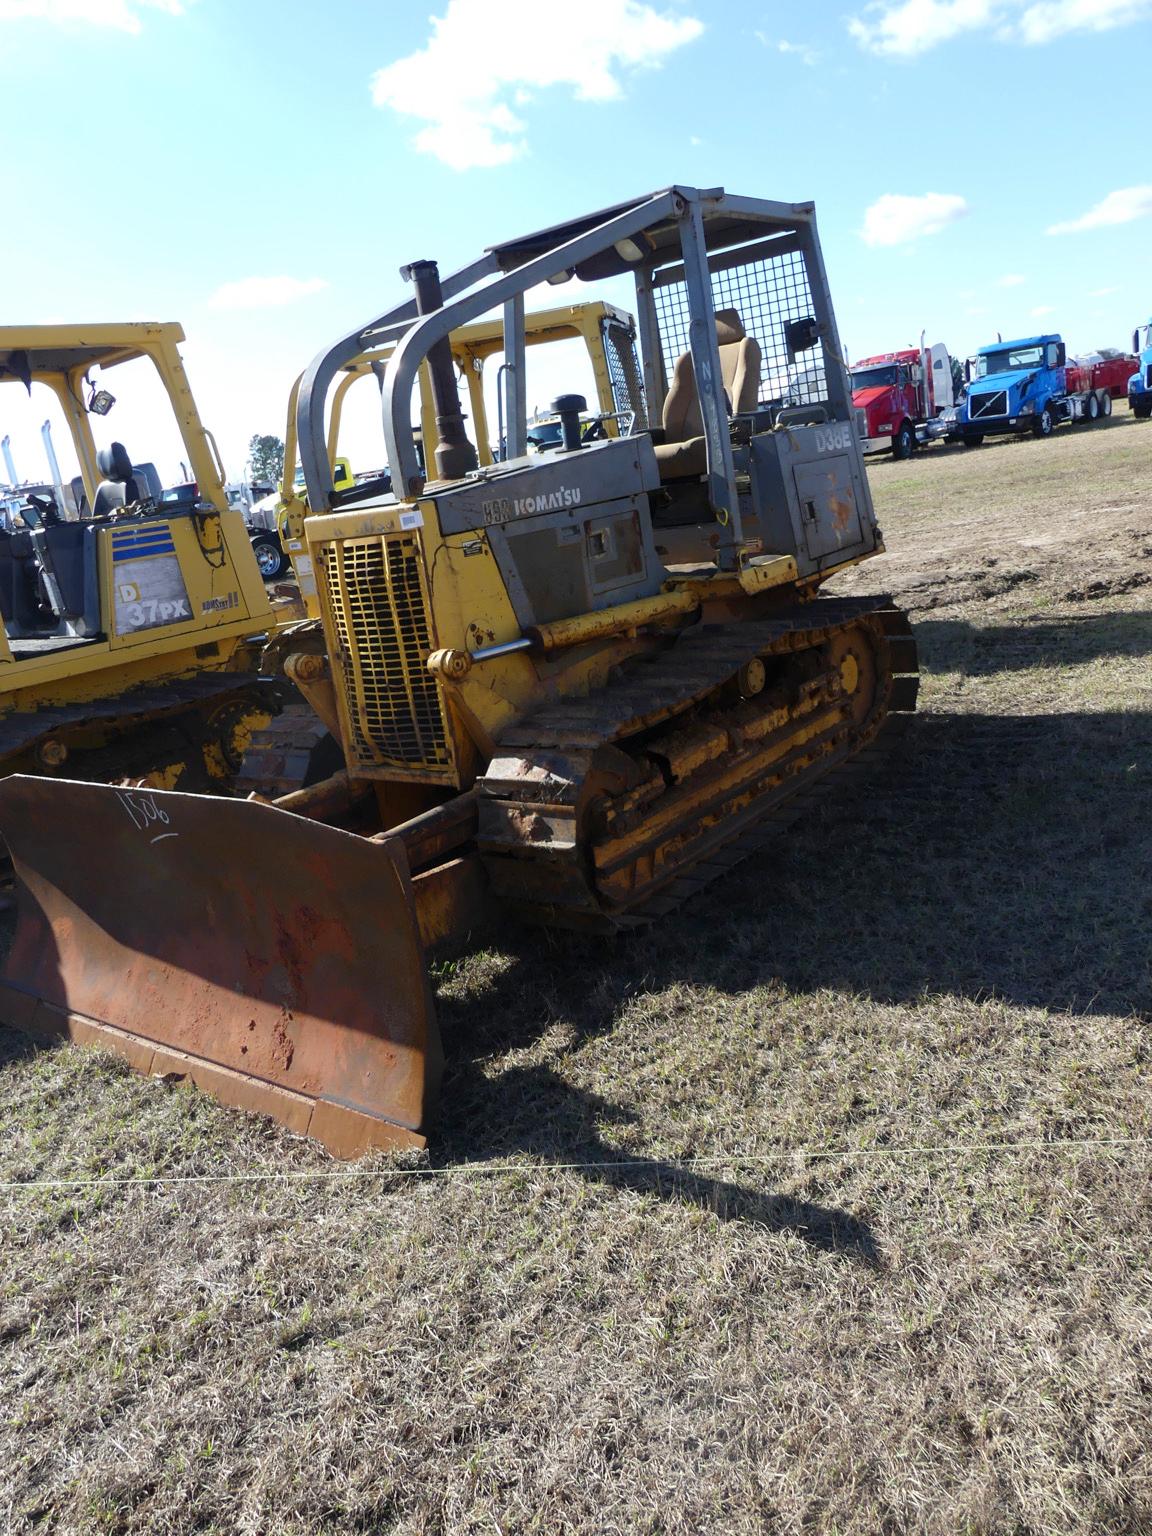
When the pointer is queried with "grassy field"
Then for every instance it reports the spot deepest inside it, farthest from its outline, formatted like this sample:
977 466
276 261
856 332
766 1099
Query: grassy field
851 1228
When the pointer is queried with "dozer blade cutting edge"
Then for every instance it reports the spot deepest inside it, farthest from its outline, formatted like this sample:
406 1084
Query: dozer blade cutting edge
276 962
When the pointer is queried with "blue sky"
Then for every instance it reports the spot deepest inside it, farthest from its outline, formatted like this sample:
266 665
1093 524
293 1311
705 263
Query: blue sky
259 169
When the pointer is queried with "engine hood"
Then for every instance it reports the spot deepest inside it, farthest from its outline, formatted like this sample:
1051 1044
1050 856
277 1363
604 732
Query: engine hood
1017 379
874 400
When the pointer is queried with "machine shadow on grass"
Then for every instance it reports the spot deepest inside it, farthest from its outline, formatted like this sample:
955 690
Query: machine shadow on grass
996 857
15 1046
983 650
538 1111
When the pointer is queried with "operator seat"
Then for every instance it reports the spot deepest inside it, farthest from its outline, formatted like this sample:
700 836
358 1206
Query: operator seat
682 455
118 487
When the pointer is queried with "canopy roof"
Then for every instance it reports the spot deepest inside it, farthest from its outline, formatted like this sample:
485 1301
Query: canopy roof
38 351
728 221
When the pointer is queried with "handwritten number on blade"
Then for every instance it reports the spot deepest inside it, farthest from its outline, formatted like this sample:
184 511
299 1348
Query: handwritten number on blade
146 813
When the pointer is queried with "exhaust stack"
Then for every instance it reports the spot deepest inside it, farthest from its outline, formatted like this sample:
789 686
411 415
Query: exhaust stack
455 454
54 469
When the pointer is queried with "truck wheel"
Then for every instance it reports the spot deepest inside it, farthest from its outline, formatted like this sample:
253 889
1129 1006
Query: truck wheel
1044 422
1142 409
269 556
972 439
904 442
1093 408
1105 404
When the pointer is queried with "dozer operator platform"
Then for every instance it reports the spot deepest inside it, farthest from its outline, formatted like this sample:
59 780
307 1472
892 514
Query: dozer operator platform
577 684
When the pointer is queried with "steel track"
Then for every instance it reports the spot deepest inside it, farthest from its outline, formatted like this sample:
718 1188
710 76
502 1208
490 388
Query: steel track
554 795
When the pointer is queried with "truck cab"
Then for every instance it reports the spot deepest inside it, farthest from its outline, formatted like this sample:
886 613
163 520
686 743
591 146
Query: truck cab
896 393
1140 384
1012 385
1028 386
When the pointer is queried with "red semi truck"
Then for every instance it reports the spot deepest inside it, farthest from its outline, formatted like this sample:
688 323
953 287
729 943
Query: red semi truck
897 395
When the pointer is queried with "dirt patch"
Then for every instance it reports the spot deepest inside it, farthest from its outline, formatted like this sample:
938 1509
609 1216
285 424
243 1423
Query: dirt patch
1116 586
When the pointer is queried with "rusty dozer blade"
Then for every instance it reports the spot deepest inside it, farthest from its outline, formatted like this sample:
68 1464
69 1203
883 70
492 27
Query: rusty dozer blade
275 961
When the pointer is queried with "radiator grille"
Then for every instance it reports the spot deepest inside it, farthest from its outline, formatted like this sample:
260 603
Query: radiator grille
995 404
379 606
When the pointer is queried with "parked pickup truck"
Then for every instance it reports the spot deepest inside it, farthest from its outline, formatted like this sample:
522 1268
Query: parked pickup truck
897 394
1140 384
1024 386
263 521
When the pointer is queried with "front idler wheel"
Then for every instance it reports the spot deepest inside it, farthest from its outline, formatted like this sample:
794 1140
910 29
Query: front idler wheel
853 653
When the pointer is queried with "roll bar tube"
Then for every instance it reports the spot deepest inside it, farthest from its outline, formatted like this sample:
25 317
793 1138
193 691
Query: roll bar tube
310 408
425 333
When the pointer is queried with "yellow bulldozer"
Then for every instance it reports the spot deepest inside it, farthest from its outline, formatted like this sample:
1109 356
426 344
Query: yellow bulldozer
126 649
578 684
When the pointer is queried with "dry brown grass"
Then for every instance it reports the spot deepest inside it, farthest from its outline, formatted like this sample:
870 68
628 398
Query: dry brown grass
895 1293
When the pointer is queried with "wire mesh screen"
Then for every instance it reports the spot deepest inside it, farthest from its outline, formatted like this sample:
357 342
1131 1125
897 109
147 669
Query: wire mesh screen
625 376
766 295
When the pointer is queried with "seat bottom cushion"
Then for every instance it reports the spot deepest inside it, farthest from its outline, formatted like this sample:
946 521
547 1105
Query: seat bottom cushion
679 461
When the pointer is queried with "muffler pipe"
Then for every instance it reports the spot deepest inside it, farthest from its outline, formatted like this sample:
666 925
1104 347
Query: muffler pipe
455 454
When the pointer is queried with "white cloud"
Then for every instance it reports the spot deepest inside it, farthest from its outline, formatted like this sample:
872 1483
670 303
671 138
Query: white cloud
485 54
264 292
1011 280
1121 207
801 51
913 26
1041 23
1102 293
120 14
904 28
1041 310
894 219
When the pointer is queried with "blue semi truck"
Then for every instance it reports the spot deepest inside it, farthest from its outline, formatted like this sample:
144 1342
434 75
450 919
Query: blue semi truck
1026 386
1140 384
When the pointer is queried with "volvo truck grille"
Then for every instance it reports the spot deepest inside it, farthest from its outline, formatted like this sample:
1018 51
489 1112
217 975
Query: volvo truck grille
995 404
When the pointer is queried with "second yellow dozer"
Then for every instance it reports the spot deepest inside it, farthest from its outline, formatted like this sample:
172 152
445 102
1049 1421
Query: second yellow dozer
129 614
578 685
